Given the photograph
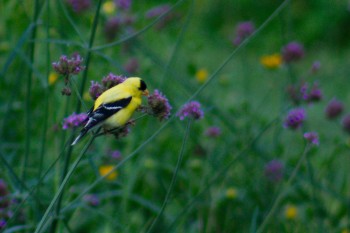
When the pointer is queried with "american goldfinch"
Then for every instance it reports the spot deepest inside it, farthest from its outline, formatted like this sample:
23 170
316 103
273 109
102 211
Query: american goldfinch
114 107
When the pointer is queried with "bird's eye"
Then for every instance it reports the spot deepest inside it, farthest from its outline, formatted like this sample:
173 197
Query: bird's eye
143 86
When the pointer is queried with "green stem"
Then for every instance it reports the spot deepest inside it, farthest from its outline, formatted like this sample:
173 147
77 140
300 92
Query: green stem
89 53
60 190
78 108
28 120
173 180
46 100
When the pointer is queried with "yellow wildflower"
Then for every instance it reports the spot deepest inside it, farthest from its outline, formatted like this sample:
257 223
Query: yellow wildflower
109 8
149 163
52 78
231 193
272 61
291 212
201 75
195 163
345 231
107 169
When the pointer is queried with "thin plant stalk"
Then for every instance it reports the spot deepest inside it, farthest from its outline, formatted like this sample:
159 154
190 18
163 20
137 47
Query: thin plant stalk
45 217
78 108
173 180
28 114
46 100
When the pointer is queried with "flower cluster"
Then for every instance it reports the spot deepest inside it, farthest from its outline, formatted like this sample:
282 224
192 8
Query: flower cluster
91 199
158 106
111 80
7 206
272 61
334 109
295 118
132 65
202 75
79 5
346 123
303 92
74 120
292 52
213 132
313 94
191 109
159 10
123 4
274 170
108 172
243 30
312 138
67 66
115 24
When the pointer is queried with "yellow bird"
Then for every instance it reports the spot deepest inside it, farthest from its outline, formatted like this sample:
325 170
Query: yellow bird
114 107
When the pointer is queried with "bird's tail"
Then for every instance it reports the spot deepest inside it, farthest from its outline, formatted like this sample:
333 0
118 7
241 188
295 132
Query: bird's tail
82 133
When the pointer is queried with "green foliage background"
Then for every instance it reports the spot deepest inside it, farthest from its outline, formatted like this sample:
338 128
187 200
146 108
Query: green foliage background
172 178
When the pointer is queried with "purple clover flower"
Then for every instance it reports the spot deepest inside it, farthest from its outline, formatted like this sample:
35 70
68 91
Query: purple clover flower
160 10
95 90
312 137
74 120
79 5
159 105
132 65
4 201
91 199
191 109
2 223
243 30
157 11
315 67
274 170
313 95
346 123
334 109
121 131
123 4
295 118
293 51
112 80
67 66
116 154
213 132
114 25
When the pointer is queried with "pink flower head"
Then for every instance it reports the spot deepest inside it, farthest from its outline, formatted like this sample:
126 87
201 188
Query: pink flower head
293 51
213 132
295 118
274 170
191 109
159 105
112 80
74 120
312 137
66 66
334 109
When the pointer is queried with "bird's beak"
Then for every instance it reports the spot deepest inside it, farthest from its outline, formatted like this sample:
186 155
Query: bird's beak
145 92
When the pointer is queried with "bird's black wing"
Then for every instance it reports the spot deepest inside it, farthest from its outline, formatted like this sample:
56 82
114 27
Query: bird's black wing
104 111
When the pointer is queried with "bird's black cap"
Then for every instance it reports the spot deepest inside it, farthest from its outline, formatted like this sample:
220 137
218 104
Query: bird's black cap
143 86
